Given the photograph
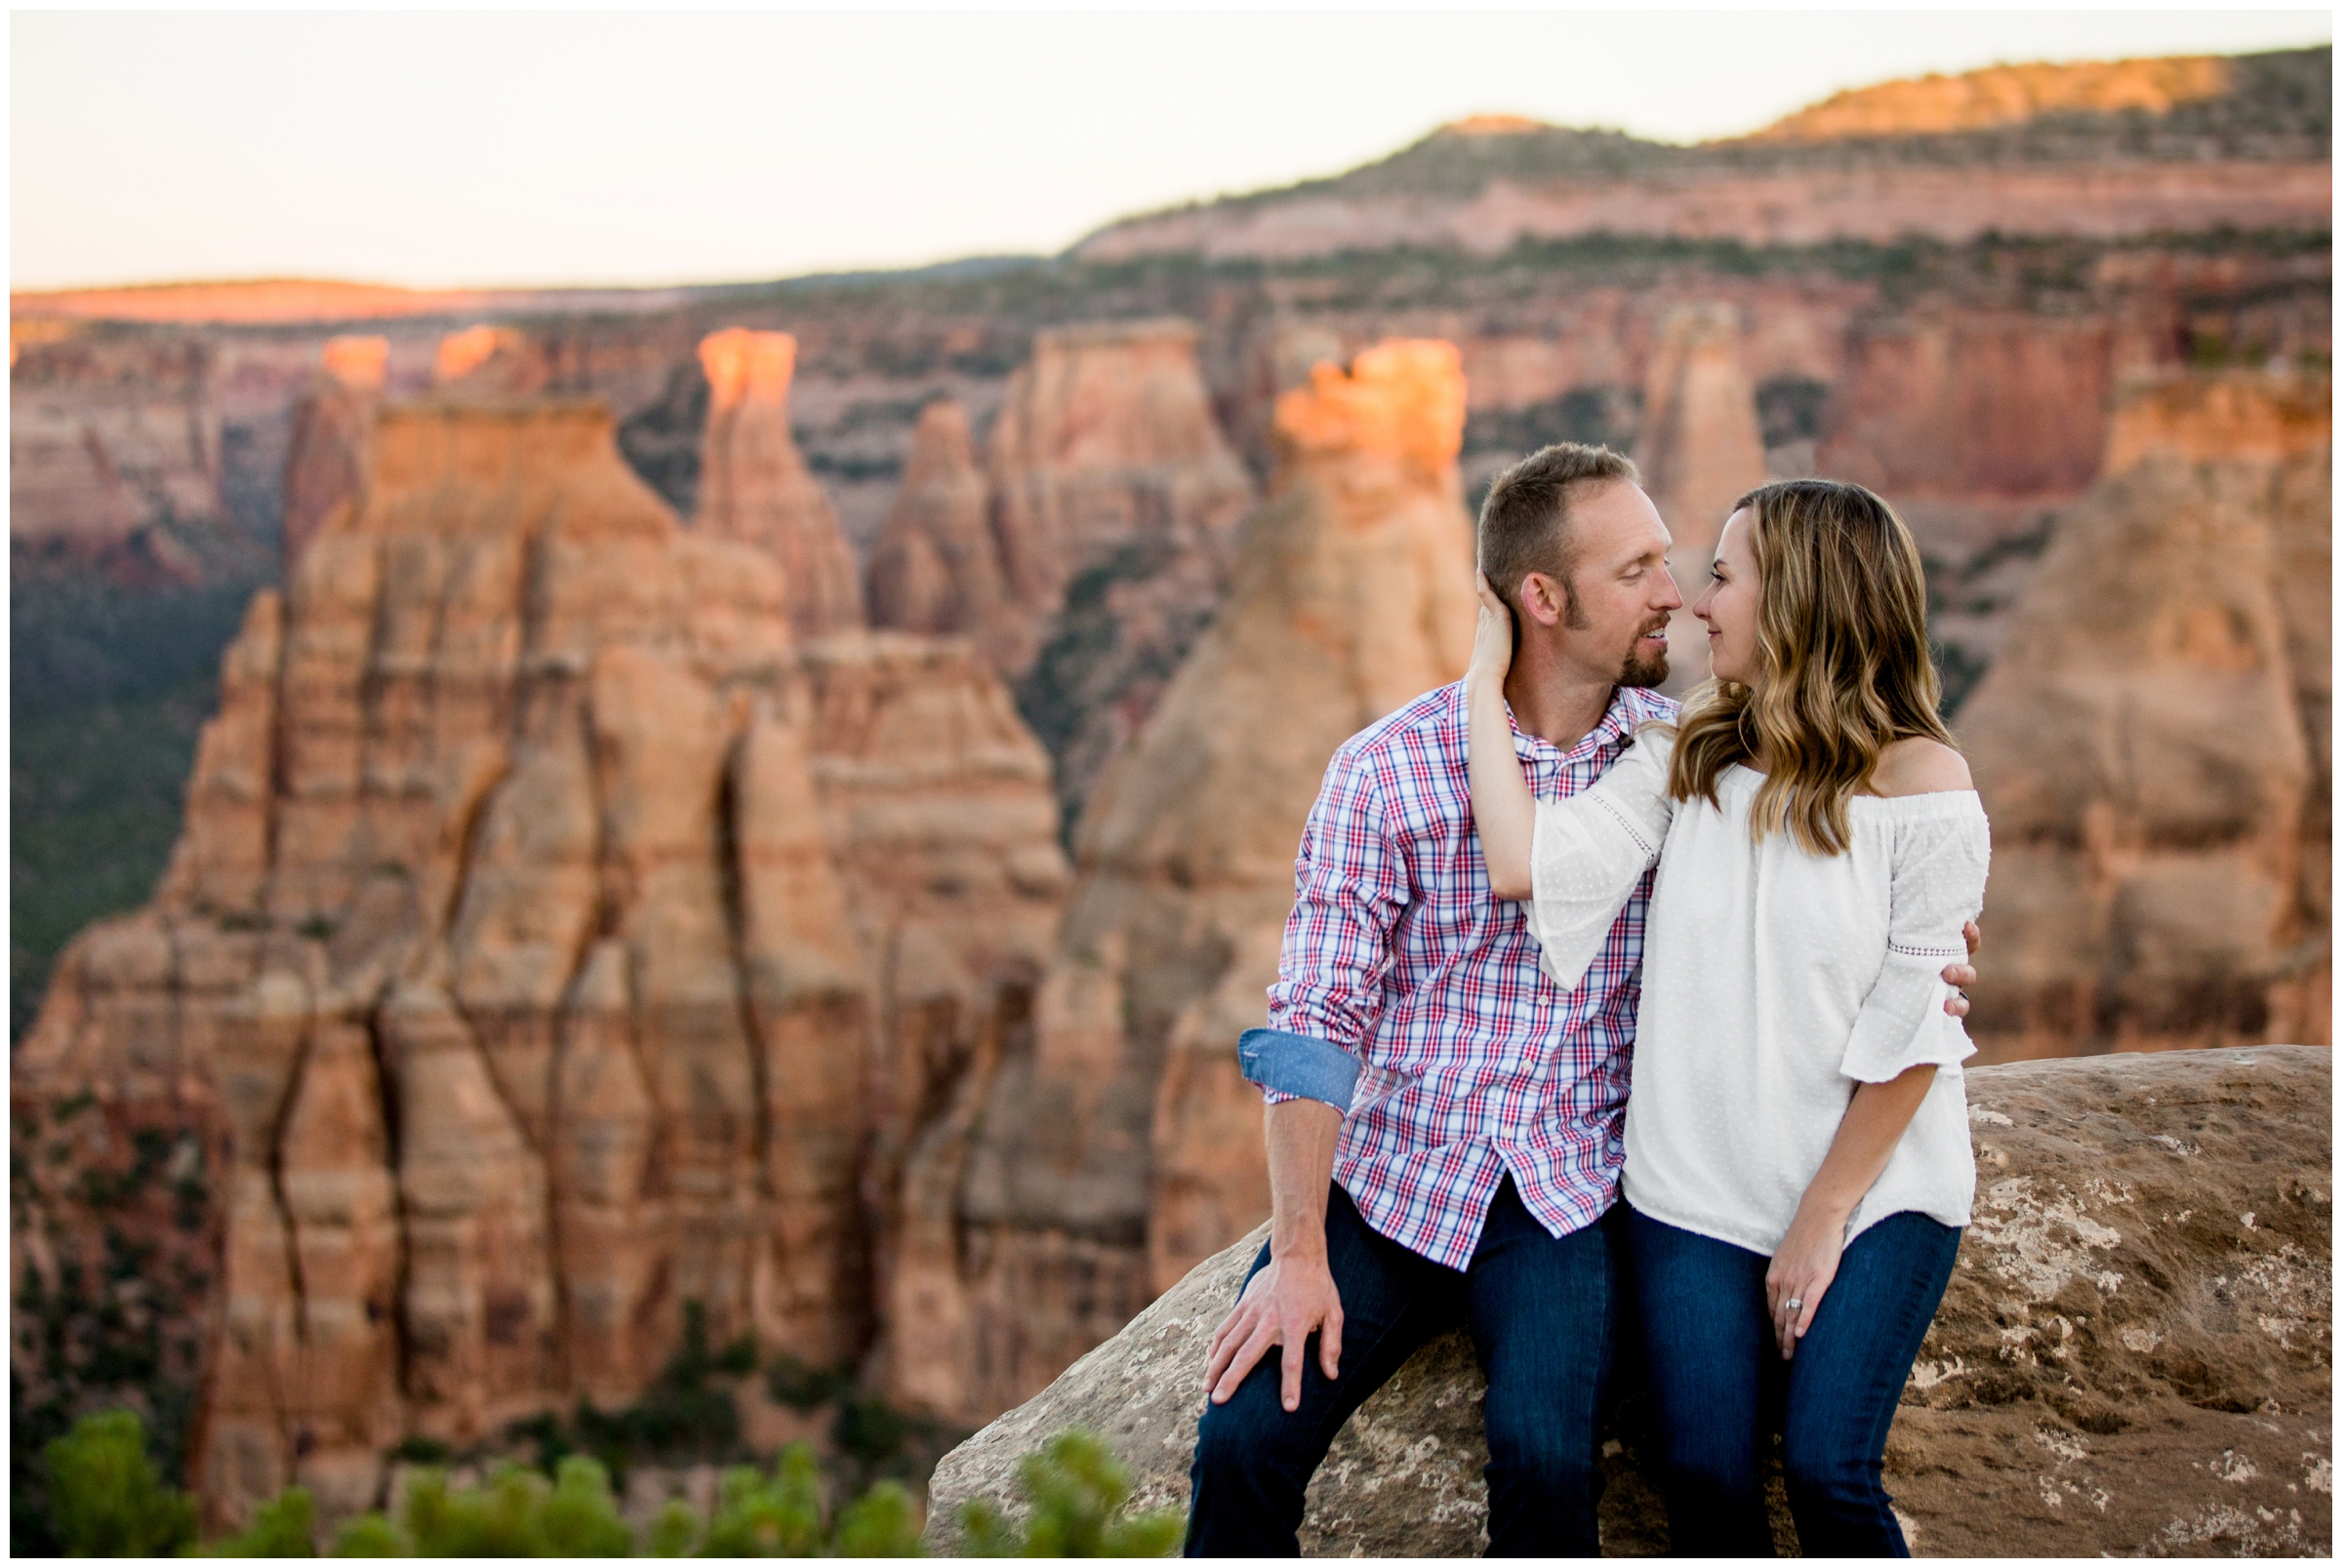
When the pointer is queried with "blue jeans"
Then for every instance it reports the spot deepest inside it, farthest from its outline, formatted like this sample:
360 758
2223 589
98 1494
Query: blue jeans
1541 1311
1715 1374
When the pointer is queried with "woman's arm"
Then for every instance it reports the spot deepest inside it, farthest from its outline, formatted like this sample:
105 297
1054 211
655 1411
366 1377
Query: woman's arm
1806 1261
1502 808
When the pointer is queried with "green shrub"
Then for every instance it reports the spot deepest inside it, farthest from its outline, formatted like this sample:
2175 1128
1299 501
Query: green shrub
780 1516
370 1535
284 1527
1077 1488
518 1514
104 1499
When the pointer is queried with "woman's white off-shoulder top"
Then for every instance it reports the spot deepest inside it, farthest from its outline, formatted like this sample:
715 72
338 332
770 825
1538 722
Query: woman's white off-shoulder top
1774 980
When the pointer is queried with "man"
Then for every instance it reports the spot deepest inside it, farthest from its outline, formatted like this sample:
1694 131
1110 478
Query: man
1444 1125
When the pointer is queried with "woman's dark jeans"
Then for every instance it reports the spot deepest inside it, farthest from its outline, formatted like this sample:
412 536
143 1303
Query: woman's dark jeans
1541 1310
1715 1371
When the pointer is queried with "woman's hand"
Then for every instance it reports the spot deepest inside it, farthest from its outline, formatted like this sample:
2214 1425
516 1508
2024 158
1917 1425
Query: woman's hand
1801 1271
1491 640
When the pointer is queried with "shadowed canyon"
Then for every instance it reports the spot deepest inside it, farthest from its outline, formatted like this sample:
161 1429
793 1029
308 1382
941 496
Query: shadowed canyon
548 822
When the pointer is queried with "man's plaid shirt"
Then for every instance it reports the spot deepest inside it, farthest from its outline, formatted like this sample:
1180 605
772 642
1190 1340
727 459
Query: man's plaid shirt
1396 953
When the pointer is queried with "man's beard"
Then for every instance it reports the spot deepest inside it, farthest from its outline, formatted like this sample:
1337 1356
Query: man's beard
1642 668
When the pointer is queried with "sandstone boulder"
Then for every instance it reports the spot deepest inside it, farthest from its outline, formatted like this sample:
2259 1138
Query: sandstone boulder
2134 1356
754 486
2154 742
1118 1143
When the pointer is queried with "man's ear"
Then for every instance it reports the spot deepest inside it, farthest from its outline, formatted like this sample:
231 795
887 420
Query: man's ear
1542 600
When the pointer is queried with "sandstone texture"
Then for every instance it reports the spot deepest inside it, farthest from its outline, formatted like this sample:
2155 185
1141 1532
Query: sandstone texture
115 455
333 433
2154 743
1700 449
937 569
2134 1356
1118 1143
554 944
1115 499
754 486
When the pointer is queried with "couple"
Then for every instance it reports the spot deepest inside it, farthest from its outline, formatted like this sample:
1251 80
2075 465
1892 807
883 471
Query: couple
1478 944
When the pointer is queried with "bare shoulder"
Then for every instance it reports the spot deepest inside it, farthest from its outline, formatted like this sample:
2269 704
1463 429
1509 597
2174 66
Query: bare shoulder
1918 765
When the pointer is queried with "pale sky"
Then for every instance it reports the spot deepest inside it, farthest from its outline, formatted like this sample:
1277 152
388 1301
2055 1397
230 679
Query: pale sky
606 147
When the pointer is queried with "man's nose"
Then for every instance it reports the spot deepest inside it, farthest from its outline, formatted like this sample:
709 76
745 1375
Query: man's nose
1670 597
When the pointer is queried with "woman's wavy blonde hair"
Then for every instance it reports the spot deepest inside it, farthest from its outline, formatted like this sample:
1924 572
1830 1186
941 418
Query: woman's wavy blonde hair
1842 631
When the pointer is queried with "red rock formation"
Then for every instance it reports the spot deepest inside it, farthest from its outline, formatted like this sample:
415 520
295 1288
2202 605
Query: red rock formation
1105 443
490 361
1974 405
1700 450
754 486
2153 741
936 568
1115 503
2006 94
115 455
550 946
333 429
1119 1143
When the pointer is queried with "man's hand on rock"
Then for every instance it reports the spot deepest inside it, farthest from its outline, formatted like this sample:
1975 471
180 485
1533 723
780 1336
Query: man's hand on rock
1959 976
1285 1302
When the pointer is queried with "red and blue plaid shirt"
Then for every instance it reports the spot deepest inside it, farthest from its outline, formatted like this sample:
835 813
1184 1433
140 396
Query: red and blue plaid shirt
1473 1064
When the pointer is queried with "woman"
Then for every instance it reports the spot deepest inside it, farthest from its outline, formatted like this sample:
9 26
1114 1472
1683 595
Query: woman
1798 1167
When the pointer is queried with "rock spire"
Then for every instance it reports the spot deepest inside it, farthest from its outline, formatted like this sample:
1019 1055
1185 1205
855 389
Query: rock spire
754 486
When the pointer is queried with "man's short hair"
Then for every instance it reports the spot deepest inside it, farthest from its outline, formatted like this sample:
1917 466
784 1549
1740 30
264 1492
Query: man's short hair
1525 523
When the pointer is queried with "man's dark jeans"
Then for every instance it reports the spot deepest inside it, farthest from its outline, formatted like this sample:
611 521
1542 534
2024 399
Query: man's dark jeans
1542 1313
1715 1373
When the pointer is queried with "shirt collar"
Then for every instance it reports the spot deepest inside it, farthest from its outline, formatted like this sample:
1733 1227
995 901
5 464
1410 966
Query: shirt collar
1630 706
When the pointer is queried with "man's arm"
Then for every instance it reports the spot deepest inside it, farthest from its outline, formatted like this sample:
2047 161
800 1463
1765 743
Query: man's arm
1294 1297
1349 888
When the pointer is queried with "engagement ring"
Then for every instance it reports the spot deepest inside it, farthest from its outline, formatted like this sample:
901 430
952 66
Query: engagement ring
1796 1305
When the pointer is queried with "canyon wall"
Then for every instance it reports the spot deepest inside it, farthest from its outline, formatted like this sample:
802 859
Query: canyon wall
552 945
2154 742
1118 1143
113 461
1111 498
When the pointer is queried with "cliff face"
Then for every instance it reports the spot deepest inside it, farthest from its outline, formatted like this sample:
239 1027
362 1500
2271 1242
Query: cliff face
1115 499
551 946
754 486
1118 1143
114 457
2154 742
2134 1356
333 431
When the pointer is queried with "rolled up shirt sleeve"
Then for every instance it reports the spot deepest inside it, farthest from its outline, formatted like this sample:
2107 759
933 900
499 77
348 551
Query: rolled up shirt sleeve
1937 886
1588 852
1350 887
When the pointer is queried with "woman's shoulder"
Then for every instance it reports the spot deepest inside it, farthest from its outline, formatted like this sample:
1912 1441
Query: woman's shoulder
1920 765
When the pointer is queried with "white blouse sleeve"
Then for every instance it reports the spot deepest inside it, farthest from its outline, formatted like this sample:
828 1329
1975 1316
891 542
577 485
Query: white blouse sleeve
1587 852
1940 861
